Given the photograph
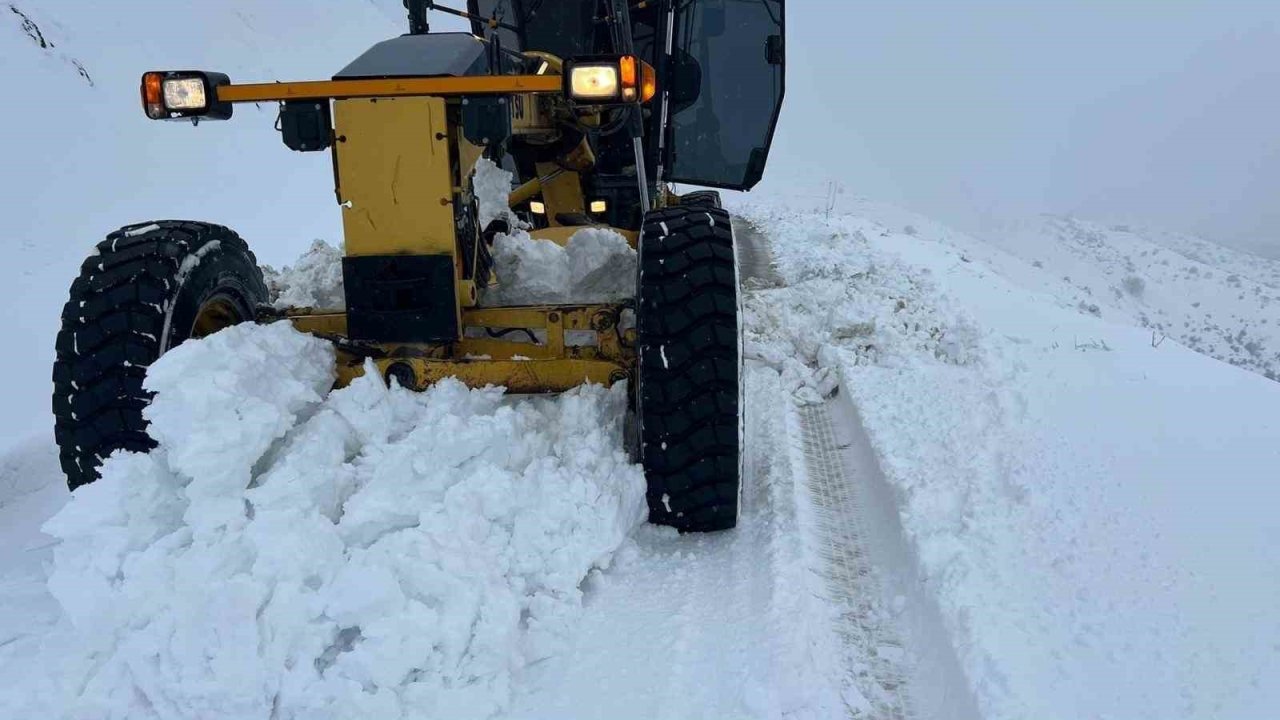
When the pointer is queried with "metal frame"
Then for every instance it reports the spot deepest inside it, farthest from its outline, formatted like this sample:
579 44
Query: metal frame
564 346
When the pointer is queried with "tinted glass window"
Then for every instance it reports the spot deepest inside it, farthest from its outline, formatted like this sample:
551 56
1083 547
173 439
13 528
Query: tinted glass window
723 120
502 10
563 28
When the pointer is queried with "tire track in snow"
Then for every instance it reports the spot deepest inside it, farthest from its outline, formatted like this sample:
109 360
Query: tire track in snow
874 678
755 262
723 625
874 650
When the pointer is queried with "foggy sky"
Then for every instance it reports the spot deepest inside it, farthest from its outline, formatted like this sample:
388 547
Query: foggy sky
1161 113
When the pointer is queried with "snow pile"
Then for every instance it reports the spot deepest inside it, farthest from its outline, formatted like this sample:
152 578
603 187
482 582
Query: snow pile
289 552
596 265
491 186
314 281
1088 509
837 295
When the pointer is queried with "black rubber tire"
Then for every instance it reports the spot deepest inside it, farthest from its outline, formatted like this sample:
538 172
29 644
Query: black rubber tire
690 365
131 303
701 198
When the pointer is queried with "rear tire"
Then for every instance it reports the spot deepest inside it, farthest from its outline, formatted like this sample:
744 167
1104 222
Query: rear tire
146 289
701 199
689 368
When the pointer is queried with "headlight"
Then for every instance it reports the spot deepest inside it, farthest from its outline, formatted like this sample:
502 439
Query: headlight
609 80
593 82
185 94
179 95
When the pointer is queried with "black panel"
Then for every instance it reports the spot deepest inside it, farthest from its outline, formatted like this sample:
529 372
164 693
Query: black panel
400 298
306 125
438 54
486 120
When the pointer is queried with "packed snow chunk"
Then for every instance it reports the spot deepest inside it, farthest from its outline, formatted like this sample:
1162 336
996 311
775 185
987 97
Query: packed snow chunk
283 554
596 265
492 188
315 281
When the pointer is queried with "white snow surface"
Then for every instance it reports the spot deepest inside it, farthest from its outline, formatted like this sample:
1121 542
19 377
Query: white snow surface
492 188
1059 519
1090 513
289 552
595 265
1222 302
314 281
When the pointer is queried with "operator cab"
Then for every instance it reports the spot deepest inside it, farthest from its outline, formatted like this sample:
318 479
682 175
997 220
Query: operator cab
719 65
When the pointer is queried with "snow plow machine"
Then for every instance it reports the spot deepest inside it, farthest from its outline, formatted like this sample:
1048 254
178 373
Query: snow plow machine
597 107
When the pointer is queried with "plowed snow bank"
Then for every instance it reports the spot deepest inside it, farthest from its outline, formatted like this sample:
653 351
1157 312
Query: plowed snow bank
288 552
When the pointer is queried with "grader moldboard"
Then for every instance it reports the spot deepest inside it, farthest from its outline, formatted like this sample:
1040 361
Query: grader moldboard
597 107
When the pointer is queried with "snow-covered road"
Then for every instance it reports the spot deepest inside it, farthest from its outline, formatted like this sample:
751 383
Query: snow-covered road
781 618
962 499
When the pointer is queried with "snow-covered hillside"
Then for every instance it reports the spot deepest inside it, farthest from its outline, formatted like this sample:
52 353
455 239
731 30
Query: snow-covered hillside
1218 301
1222 302
80 159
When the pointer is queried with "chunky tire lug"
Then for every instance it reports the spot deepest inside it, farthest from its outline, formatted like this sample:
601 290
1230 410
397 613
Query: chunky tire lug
689 368
701 199
137 295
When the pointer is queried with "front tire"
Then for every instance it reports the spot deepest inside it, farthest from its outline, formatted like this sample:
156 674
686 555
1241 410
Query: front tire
146 289
689 368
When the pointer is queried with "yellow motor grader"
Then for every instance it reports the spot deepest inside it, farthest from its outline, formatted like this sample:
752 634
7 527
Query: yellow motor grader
596 107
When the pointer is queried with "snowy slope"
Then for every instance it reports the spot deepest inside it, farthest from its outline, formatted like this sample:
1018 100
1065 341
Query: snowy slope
1222 302
1092 516
81 160
1215 300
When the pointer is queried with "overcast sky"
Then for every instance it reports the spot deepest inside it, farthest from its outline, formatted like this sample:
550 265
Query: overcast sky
1143 111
